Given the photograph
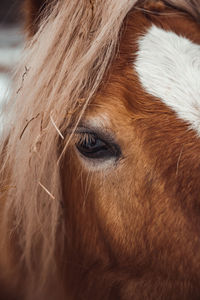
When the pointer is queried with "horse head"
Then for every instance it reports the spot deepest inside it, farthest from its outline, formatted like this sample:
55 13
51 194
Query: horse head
104 152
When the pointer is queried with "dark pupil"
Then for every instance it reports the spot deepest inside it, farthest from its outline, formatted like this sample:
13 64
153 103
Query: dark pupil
92 146
89 143
92 143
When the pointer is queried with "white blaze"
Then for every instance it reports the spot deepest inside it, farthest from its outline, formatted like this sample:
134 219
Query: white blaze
169 68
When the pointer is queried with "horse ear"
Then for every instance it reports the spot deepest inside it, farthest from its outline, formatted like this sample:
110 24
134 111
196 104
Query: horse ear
33 10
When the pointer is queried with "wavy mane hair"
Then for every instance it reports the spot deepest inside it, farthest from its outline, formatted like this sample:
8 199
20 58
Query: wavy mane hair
63 67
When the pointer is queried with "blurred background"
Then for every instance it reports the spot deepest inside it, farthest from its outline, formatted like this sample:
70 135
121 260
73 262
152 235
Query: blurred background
10 11
11 43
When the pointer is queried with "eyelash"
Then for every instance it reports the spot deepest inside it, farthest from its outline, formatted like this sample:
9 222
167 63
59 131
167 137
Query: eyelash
91 146
84 137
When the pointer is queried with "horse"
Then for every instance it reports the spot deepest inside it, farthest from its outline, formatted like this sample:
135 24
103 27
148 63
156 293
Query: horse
100 153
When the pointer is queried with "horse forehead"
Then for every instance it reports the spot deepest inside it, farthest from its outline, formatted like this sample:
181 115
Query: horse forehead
168 67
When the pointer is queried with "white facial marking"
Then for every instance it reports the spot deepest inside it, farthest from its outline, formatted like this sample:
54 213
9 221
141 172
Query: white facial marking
169 68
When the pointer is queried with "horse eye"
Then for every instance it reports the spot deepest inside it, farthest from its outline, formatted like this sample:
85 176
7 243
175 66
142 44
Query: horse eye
94 147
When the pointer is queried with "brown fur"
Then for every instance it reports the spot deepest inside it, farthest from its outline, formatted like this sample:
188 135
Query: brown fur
131 232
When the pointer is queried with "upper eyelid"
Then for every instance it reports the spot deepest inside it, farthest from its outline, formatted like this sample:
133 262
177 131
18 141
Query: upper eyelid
102 134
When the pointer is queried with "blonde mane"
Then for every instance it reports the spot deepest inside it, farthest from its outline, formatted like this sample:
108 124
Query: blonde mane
62 69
